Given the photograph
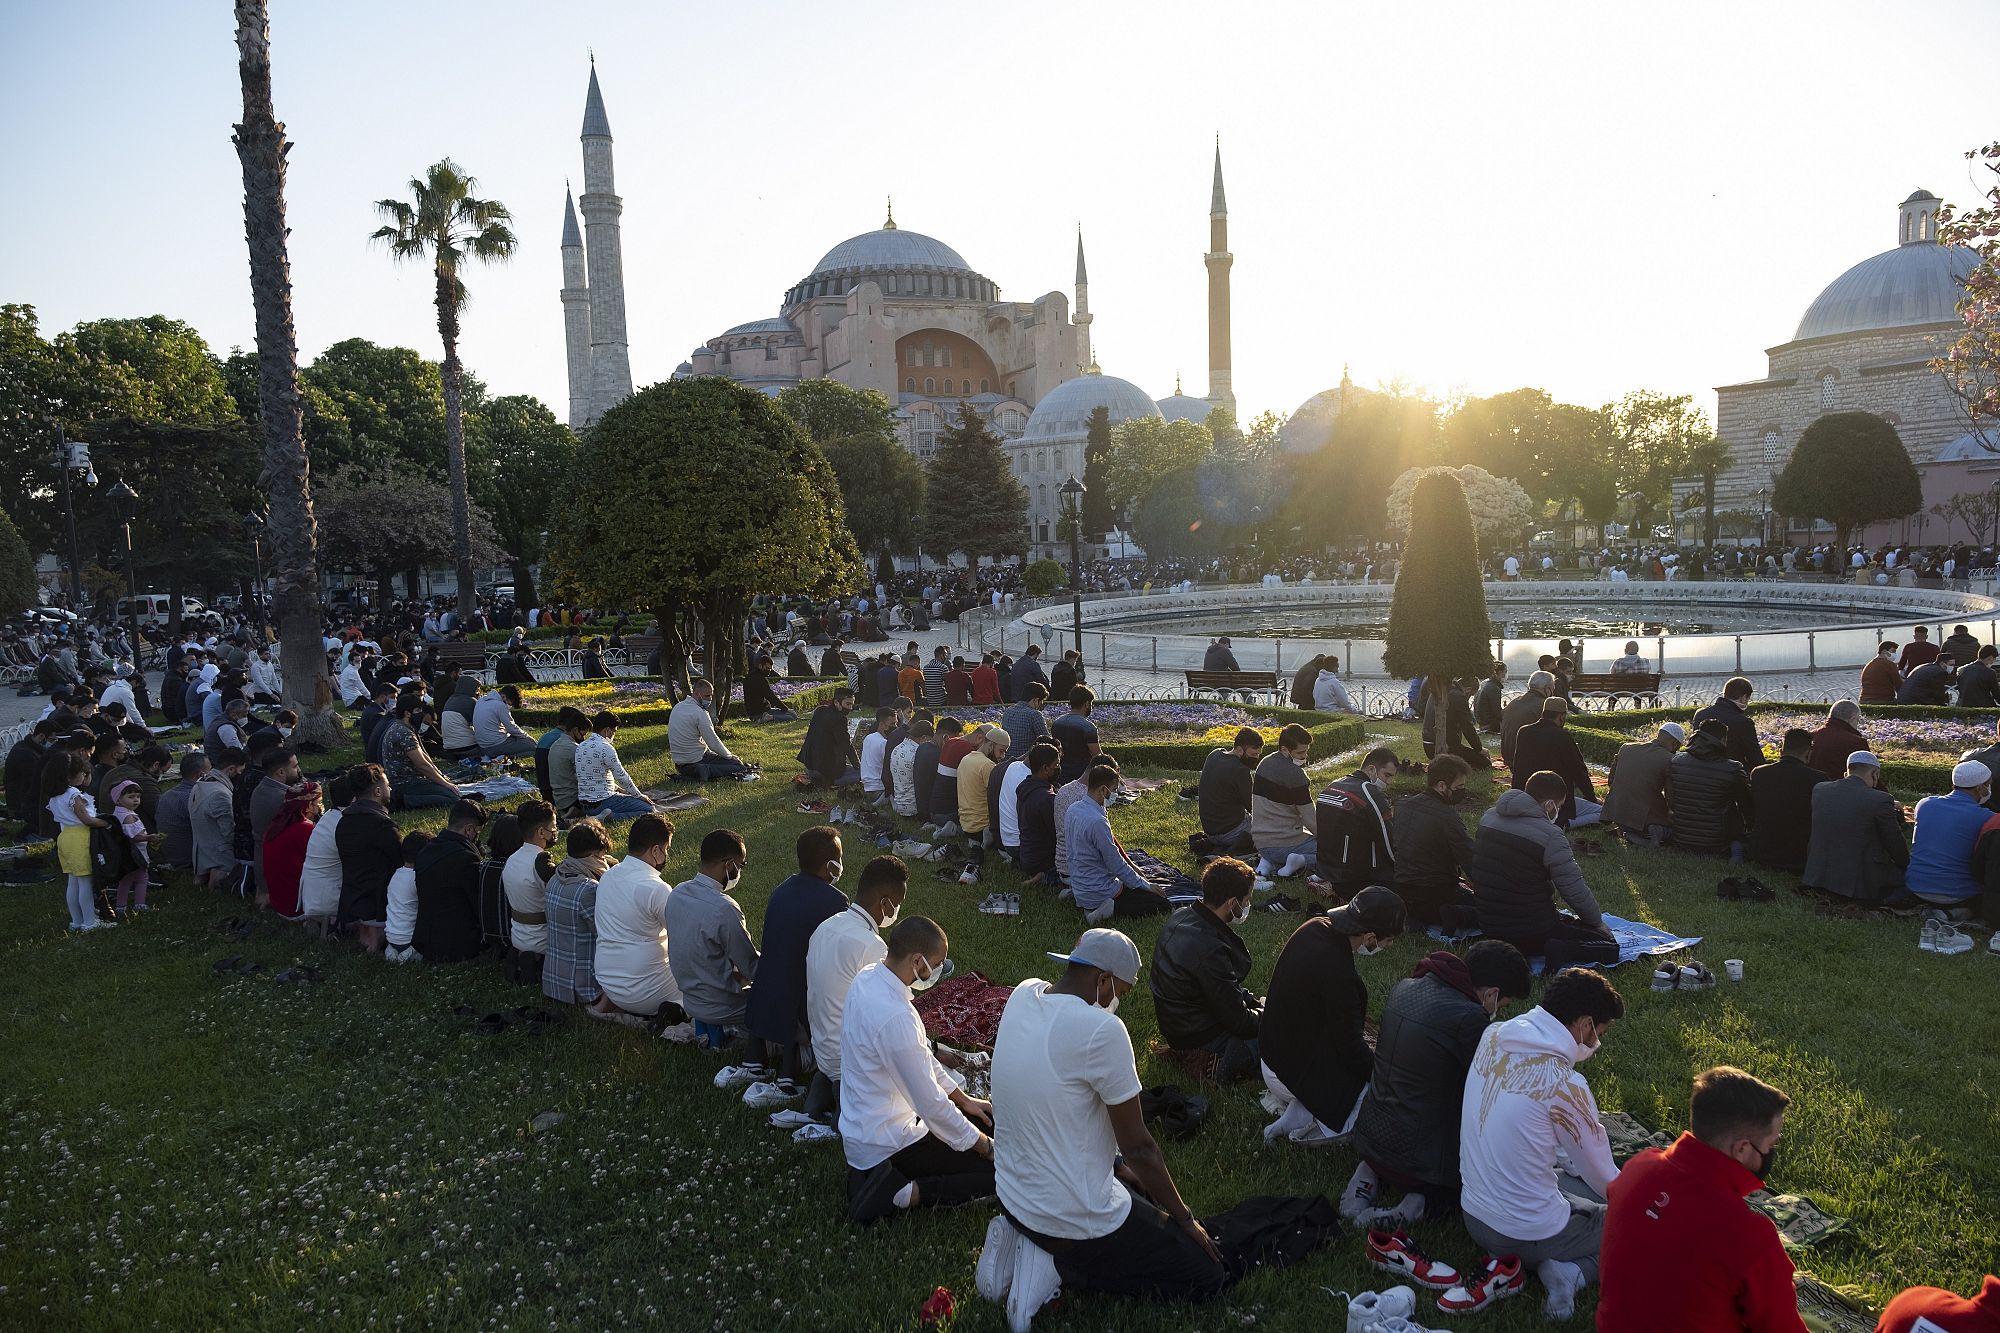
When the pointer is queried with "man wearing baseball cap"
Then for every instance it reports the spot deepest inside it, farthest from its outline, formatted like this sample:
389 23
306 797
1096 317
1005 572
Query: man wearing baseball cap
1947 831
1857 849
1080 1178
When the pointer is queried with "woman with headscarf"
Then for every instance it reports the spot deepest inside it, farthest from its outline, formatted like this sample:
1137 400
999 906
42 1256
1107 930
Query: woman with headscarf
285 846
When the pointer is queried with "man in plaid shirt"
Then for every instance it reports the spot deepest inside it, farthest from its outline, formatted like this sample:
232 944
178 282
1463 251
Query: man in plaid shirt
568 972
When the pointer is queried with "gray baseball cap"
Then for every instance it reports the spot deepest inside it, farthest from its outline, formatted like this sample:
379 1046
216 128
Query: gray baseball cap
1106 950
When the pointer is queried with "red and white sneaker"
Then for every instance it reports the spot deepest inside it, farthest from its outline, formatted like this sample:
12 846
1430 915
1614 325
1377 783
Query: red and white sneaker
1496 1279
1394 1252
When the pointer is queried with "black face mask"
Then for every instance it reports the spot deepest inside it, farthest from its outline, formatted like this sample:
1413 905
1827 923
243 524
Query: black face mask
1453 796
1763 1168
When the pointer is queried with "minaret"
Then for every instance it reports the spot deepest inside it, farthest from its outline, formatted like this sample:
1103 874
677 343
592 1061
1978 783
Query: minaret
610 361
1220 391
1082 316
576 316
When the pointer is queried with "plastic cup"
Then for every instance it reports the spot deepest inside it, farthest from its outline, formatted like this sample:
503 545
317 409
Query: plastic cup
1734 967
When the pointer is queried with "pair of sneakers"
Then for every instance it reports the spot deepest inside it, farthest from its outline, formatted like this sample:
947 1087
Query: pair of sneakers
775 1092
1001 904
730 1077
1382 1311
1941 936
1683 976
1495 1279
1015 1272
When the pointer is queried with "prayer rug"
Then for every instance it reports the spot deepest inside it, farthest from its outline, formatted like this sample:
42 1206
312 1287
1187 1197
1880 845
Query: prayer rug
1799 1221
1635 939
964 1010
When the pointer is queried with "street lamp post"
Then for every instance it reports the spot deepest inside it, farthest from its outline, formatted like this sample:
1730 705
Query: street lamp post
1072 494
254 523
125 502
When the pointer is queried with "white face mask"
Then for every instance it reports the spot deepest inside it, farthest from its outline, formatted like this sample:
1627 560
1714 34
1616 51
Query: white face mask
927 979
833 870
733 878
1369 951
284 731
890 919
1112 1008
1584 1052
1241 915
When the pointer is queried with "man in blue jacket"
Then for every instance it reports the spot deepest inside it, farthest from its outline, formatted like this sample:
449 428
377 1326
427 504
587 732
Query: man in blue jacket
1948 827
1102 879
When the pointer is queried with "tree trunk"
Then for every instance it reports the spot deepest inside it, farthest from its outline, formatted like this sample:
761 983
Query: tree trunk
721 623
524 582
287 472
454 442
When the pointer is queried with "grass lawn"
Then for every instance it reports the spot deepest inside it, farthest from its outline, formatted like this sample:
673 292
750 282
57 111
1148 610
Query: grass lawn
184 1152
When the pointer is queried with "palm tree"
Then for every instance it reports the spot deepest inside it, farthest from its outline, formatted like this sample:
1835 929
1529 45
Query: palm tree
287 474
444 223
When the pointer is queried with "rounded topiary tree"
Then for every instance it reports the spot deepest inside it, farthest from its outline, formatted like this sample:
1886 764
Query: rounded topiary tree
1437 620
1850 469
695 495
1044 577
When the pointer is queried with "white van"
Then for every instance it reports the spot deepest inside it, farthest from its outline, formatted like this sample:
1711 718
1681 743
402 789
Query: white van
153 608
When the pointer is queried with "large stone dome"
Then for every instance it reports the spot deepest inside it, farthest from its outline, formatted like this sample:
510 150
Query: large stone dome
1919 282
889 248
1064 412
904 264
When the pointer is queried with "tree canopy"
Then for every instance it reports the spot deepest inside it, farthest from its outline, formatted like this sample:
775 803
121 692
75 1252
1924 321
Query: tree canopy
1500 508
521 460
1849 469
1971 365
1437 617
881 483
1556 451
17 570
1144 450
1338 491
1099 515
699 494
377 520
972 502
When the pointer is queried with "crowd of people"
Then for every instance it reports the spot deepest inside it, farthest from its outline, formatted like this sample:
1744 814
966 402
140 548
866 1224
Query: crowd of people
1452 1110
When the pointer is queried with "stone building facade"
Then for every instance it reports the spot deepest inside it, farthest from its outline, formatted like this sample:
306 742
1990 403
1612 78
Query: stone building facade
1864 345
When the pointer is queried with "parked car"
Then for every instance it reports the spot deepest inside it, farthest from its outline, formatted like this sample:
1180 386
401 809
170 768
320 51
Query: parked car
153 608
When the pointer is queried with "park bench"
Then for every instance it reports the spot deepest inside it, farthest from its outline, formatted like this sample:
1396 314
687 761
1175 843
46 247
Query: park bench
639 649
1243 684
467 656
1635 686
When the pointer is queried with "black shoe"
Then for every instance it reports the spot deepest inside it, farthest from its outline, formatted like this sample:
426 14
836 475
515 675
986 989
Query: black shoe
1730 890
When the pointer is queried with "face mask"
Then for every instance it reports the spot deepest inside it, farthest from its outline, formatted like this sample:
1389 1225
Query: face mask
1370 950
284 731
1112 1007
1454 796
923 983
1765 1161
833 869
1242 914
734 878
890 919
1584 1052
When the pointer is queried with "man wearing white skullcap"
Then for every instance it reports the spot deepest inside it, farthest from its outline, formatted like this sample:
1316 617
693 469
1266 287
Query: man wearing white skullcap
1947 830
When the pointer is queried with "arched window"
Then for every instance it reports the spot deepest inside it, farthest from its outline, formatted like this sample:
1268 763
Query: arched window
1826 390
1042 501
930 385
910 384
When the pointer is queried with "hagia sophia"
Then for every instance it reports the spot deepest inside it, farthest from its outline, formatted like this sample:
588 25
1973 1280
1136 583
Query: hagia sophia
905 314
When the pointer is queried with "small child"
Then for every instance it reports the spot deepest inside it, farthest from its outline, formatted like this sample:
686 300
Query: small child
75 815
137 862
402 916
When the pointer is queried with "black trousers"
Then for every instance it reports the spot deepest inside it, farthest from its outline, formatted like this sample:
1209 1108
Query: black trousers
1426 902
944 1176
1568 944
1148 1256
1140 902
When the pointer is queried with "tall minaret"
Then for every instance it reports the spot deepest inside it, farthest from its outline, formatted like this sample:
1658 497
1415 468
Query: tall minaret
1220 391
576 316
1082 316
610 361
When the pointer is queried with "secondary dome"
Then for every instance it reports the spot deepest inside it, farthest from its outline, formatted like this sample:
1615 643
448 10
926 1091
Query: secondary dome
1307 429
778 325
889 248
1918 282
1065 410
1181 407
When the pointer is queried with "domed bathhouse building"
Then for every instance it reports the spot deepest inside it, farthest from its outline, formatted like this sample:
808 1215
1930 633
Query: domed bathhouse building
1864 345
1051 448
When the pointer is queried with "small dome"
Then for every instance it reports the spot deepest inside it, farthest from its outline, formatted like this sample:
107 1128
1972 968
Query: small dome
1912 284
776 325
1969 448
1306 429
1064 411
1919 196
1180 407
890 248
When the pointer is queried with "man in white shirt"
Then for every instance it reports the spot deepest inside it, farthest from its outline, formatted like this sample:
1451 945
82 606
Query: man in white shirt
631 957
875 753
266 684
1065 1109
903 767
1329 692
912 1136
1010 779
1525 1107
353 689
119 691
840 947
525 878
696 750
603 787
494 730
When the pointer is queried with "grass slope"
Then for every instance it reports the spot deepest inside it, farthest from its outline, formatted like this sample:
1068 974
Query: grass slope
179 1151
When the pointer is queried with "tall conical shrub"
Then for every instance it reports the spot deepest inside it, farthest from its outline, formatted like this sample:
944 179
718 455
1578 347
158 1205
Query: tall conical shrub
1437 621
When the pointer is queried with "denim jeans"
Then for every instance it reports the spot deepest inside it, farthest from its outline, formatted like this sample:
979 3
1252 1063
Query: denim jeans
621 806
422 794
712 768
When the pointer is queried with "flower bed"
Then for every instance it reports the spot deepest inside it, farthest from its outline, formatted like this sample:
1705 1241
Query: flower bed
638 702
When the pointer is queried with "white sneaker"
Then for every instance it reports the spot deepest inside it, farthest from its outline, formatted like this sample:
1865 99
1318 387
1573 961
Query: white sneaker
1371 1310
1263 884
909 848
1272 1103
758 1096
791 1118
969 875
1035 1285
837 815
815 1133
680 1034
739 1076
1993 945
948 830
1952 940
994 1276
1927 935
1398 1325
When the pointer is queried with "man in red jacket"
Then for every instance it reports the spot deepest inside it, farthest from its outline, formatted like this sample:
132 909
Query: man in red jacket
1680 1250
1929 1310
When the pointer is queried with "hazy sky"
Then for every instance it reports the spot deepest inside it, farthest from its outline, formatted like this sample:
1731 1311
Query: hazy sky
1585 197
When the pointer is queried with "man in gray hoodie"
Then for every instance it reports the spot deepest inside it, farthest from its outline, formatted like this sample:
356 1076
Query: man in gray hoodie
1519 859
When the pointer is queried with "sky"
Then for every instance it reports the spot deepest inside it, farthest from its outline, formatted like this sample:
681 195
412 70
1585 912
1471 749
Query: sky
1588 198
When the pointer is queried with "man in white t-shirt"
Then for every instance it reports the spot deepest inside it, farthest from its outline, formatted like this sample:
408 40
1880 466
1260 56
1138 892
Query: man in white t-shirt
525 879
631 957
1065 1108
875 754
912 1137
840 947
1010 779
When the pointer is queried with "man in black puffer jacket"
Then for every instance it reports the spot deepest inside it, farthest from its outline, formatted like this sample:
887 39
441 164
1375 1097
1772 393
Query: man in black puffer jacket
1407 1132
1433 849
1199 963
1353 821
1708 795
1520 859
1732 710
